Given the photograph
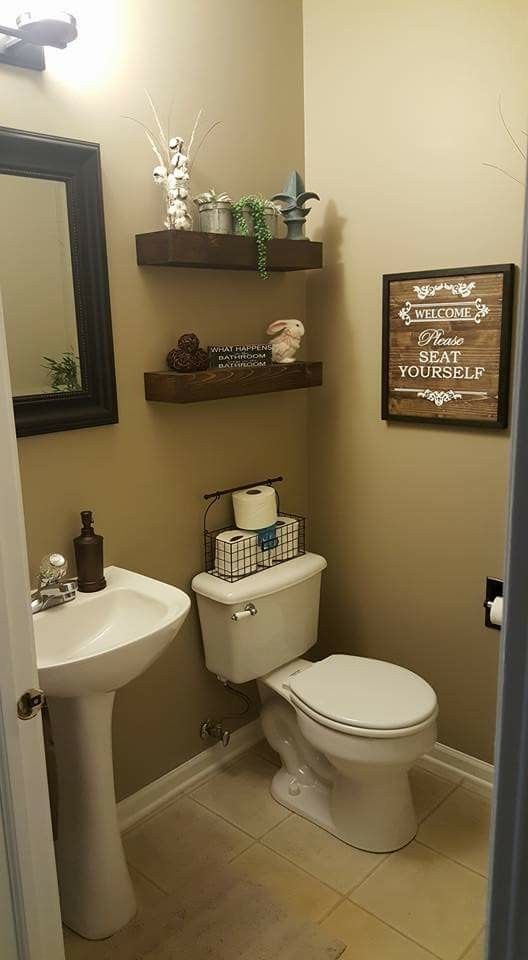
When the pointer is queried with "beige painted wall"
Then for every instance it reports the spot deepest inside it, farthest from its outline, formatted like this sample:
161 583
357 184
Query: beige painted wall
401 112
144 477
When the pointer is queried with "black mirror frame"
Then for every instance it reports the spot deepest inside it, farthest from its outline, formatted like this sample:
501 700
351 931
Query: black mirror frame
76 164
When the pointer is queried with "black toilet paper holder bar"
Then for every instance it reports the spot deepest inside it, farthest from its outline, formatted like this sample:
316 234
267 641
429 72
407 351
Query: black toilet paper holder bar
245 486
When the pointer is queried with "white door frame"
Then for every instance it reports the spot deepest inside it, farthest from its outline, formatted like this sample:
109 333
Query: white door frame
24 800
507 937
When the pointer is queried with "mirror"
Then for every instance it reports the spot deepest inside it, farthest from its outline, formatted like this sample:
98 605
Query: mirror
39 310
54 283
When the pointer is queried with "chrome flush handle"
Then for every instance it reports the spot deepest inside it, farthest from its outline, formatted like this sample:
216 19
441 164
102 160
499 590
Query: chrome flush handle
249 610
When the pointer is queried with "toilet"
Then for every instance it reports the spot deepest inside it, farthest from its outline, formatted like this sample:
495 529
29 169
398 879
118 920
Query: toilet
347 729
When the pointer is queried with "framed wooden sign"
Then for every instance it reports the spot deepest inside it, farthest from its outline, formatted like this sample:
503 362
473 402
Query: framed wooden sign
446 345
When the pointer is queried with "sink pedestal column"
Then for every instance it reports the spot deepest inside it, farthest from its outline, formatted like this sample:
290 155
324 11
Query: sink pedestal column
97 897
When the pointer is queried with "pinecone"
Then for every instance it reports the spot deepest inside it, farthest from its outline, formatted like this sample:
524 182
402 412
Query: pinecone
189 342
188 356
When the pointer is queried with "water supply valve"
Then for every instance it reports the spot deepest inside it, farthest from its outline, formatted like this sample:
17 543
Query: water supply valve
215 730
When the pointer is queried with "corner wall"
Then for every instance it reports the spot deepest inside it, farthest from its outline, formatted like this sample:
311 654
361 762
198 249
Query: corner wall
401 113
144 478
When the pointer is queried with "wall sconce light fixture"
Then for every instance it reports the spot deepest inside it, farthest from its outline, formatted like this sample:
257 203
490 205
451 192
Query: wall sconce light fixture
23 45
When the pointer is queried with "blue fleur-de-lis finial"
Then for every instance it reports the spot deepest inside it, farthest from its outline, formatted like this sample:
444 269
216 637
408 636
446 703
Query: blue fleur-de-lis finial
293 198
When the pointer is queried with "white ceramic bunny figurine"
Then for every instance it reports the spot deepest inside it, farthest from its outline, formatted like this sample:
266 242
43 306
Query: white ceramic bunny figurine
285 345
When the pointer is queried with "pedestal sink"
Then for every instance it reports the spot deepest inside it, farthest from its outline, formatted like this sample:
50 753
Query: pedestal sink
86 650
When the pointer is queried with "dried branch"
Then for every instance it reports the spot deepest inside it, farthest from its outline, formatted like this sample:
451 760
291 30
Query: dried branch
194 129
502 170
163 141
508 131
150 137
202 141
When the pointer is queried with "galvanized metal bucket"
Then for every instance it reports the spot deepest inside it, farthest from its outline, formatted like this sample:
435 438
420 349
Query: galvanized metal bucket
216 217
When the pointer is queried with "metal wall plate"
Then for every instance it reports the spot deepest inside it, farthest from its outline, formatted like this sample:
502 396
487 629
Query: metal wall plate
30 703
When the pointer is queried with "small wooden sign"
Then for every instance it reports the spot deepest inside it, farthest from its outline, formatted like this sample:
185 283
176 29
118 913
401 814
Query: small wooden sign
244 355
446 345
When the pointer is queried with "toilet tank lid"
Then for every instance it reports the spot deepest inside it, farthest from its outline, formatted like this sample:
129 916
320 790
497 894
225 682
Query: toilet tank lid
260 584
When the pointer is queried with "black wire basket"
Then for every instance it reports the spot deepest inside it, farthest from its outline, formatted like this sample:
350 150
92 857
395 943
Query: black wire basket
232 554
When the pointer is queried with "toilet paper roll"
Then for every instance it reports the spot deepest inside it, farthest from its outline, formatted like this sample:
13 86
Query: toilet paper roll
496 611
255 508
236 554
288 538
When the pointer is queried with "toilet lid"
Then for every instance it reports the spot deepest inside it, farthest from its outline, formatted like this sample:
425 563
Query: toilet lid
364 693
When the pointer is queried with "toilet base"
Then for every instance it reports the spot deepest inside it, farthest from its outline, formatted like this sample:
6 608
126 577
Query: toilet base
311 802
314 803
356 788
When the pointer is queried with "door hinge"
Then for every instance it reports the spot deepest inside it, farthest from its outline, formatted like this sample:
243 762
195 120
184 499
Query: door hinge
30 704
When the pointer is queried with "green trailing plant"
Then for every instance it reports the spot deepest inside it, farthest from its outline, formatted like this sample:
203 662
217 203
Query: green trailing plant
63 374
256 206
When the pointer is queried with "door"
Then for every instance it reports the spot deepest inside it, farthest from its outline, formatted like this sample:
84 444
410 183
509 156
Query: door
30 926
508 896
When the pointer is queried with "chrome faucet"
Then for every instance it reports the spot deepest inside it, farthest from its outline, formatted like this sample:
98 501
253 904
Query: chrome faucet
53 588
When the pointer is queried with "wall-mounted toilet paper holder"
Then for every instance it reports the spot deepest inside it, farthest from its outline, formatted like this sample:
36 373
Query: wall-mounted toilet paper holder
494 589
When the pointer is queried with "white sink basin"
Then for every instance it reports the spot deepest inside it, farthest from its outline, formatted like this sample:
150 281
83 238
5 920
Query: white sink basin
100 641
86 650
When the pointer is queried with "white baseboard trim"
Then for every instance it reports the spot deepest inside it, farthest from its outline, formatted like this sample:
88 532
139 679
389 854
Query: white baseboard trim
467 771
147 801
443 761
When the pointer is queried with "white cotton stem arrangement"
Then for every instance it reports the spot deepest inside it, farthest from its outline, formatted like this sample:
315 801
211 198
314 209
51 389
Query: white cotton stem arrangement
515 143
174 164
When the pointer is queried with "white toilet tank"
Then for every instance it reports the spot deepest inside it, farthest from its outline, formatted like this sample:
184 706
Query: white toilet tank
286 598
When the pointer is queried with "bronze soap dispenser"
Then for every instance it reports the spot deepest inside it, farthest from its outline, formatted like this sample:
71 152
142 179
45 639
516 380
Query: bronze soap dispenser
89 556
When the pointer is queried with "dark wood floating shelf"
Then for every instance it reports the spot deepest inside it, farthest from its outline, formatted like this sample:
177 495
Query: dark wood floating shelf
231 382
217 251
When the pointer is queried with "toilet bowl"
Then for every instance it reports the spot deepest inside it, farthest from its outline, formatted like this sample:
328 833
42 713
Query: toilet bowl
349 772
347 728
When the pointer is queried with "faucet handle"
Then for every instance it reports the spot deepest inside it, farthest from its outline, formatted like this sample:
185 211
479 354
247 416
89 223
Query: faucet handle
53 568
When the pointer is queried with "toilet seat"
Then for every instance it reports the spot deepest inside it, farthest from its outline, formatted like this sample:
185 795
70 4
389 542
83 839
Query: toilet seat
363 697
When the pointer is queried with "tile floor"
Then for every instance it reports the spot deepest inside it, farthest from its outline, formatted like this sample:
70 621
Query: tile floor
425 901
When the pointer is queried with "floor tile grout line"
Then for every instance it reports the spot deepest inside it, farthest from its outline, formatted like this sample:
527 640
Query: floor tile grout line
455 778
231 823
309 873
323 883
288 816
145 876
439 804
437 852
154 813
313 876
183 792
367 876
396 930
227 766
240 852
188 791
446 856
472 944
330 911
263 756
